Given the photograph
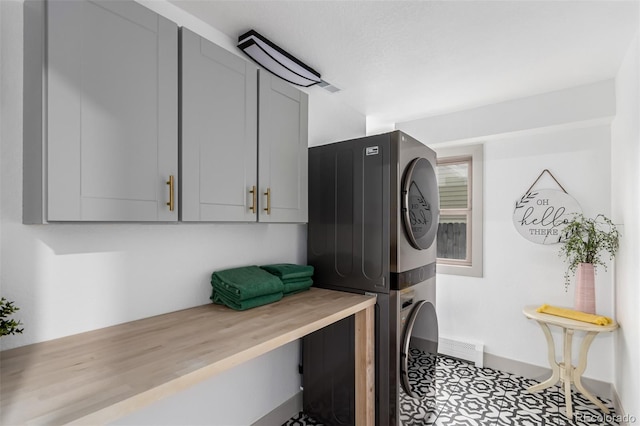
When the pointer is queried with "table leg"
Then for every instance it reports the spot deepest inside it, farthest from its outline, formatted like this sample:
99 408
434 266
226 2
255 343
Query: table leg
365 367
567 373
555 369
582 365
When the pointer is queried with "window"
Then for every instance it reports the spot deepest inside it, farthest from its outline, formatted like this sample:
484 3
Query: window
459 238
454 186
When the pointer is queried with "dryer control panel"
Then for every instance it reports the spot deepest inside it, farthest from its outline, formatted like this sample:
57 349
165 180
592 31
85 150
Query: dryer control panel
401 280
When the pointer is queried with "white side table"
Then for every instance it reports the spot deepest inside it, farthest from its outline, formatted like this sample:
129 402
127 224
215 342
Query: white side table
564 371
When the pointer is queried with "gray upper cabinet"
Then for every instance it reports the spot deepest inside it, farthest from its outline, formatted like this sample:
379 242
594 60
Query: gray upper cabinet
101 137
282 154
110 123
244 139
219 132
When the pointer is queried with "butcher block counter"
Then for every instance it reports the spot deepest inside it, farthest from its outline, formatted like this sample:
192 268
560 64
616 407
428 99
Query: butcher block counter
101 375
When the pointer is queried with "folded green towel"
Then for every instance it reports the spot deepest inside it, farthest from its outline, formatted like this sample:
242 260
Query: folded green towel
243 305
222 291
296 287
227 291
289 270
296 280
230 296
291 293
246 282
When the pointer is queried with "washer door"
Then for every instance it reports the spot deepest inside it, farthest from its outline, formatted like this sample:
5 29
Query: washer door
419 350
420 203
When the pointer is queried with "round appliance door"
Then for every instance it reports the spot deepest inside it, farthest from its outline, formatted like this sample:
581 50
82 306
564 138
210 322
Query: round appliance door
420 203
419 351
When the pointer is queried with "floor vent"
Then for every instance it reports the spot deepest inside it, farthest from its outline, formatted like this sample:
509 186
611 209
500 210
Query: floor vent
464 350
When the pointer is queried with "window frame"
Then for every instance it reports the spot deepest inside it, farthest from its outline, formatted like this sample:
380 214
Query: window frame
473 264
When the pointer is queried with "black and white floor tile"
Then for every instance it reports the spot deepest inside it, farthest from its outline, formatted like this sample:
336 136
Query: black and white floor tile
463 394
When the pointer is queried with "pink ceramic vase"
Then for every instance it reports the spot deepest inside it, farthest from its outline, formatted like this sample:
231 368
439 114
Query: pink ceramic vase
585 295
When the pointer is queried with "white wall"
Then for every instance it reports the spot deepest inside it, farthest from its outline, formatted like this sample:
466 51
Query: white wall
330 121
518 272
570 107
4 27
625 196
73 278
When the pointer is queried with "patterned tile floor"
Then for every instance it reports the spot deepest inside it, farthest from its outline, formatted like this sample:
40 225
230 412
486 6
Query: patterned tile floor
466 395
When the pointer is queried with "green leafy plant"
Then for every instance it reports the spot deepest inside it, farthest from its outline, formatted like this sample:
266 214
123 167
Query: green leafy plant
8 326
585 240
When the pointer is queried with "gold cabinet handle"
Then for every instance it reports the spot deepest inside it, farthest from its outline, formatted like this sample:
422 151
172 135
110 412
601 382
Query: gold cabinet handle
171 202
268 194
254 197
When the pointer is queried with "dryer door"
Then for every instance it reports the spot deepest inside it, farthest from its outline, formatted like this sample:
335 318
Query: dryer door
420 203
419 350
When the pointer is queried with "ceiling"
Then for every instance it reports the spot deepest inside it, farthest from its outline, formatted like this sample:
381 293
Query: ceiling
399 60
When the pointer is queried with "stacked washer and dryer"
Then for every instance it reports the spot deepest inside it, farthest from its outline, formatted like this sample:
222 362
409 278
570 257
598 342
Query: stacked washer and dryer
373 219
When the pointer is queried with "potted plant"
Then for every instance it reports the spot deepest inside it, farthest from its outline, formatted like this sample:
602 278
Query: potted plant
584 242
8 326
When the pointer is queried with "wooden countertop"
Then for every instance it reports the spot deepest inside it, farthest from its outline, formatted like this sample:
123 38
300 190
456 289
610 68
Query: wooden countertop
101 375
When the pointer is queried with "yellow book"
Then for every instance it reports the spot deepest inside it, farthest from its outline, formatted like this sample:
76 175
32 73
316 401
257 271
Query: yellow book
575 315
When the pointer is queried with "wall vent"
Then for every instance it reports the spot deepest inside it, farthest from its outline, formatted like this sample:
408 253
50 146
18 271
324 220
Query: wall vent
328 86
469 351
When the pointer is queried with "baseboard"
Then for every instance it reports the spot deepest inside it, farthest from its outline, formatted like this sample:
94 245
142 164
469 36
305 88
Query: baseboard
535 372
623 417
467 350
282 413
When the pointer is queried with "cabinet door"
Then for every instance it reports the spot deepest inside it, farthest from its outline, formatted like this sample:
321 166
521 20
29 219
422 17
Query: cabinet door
112 131
282 154
219 133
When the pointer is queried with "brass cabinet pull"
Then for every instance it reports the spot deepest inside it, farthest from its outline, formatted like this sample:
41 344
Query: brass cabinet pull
171 203
253 192
268 194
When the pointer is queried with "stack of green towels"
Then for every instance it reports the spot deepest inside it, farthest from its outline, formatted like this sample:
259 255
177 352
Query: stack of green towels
296 278
245 288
